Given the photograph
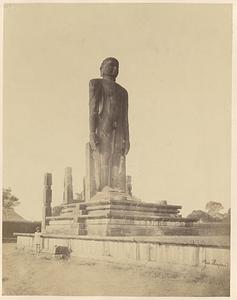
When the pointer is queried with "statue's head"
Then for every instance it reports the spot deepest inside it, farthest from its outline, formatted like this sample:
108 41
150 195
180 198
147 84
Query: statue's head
109 67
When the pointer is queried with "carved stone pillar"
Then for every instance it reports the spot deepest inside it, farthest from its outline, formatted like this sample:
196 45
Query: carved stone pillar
47 199
68 189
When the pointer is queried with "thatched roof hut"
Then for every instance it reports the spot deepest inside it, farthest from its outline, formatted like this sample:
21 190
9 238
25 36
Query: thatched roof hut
13 222
9 215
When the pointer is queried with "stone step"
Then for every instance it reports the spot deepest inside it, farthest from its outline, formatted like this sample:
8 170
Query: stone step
59 218
128 203
145 222
129 213
131 210
65 210
132 217
61 222
67 214
69 205
150 210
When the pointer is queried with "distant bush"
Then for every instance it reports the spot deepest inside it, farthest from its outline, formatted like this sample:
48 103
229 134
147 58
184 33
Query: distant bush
212 215
213 208
202 216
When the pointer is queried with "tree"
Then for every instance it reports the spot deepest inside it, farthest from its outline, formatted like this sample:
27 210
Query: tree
9 200
200 215
212 214
213 208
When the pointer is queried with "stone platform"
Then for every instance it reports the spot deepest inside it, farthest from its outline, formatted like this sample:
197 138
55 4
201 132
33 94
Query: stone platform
133 218
116 214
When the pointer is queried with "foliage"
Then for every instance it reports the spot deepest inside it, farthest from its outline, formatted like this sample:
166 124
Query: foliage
9 200
213 208
201 216
212 215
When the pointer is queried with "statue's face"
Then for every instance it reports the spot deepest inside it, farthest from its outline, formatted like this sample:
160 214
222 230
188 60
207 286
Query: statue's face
110 68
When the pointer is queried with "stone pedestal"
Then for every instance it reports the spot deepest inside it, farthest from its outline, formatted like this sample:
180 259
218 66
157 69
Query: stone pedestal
115 213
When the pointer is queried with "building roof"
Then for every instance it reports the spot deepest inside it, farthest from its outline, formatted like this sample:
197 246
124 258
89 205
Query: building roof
9 215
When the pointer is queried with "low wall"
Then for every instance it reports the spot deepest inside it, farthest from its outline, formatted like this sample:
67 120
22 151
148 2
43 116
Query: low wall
191 251
9 227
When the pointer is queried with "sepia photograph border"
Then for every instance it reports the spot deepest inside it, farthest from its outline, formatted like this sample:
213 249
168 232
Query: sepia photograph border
233 294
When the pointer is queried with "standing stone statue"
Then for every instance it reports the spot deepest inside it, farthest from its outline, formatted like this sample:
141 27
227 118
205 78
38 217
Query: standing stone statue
109 132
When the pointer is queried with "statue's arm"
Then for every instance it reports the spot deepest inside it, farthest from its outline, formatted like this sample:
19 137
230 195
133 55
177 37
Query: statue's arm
93 111
126 132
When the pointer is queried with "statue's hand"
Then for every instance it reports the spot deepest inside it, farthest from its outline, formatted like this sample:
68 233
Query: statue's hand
126 147
94 141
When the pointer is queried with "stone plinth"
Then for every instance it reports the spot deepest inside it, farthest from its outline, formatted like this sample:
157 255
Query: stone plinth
114 213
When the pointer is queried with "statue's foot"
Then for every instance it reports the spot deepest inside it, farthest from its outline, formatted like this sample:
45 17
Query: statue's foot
107 189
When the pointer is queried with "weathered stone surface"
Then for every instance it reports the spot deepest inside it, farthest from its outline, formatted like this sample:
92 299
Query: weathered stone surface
111 213
108 194
109 134
112 229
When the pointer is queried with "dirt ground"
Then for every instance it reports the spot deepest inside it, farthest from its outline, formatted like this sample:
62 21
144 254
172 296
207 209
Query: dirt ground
26 274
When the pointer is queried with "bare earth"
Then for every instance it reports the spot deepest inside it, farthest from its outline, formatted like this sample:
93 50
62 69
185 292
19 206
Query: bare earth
26 274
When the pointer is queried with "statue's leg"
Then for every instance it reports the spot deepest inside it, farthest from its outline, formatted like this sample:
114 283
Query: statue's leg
96 161
105 155
104 175
119 171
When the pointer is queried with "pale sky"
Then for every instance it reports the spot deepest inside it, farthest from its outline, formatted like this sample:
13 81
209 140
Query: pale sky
175 62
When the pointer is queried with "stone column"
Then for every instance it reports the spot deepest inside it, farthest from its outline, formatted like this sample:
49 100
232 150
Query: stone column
47 199
68 190
84 188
